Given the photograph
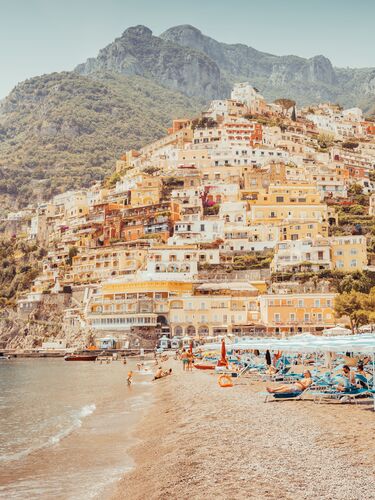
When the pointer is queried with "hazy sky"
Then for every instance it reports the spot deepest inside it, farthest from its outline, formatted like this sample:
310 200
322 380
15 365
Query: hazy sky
41 36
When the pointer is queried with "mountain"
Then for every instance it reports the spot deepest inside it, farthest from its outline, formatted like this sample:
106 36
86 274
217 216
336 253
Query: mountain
306 80
64 130
138 52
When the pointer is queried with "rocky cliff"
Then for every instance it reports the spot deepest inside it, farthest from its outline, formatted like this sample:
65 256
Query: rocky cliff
138 52
307 80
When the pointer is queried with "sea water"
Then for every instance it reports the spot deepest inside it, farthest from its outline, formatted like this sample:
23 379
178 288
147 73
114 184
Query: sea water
66 427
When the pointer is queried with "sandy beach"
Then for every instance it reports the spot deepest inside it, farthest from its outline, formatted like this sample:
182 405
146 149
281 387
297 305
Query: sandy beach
202 441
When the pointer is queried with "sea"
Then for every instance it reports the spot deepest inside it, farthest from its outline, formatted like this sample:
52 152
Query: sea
66 427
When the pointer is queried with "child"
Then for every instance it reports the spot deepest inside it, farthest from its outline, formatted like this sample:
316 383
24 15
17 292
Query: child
130 378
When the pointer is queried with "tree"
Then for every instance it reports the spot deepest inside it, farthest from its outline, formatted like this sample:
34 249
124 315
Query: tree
355 190
73 251
294 116
285 104
325 140
350 145
353 305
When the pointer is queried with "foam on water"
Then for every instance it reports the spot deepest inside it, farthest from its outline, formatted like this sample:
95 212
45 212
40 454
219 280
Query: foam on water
76 418
65 424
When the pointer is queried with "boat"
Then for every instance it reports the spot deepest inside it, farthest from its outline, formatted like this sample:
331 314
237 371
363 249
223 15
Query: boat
202 366
81 356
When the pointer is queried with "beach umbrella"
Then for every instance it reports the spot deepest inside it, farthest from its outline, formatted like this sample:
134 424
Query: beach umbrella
337 330
191 347
223 361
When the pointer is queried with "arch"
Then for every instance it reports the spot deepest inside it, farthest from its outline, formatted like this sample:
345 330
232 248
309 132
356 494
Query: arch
173 268
190 330
178 331
203 330
162 320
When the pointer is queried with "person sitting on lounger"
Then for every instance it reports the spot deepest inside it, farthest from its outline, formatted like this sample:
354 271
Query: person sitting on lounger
361 381
298 386
349 379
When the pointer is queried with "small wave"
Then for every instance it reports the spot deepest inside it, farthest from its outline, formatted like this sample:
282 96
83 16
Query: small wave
84 412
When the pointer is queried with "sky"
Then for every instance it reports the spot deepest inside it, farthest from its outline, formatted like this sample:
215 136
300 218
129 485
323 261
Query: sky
42 36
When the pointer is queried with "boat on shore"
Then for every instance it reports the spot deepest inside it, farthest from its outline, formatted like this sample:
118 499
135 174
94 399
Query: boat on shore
202 366
81 356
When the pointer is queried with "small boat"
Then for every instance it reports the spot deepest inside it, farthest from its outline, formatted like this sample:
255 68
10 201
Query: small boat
80 356
202 366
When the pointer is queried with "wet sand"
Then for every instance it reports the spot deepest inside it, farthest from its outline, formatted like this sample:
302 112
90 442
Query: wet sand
202 441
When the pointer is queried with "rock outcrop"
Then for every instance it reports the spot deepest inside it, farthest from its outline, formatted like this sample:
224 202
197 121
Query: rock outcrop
138 52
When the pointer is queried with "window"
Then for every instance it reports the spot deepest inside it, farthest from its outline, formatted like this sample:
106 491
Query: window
317 303
306 317
300 303
279 199
353 263
276 317
292 317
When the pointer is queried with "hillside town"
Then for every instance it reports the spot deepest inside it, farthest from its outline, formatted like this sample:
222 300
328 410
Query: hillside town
237 222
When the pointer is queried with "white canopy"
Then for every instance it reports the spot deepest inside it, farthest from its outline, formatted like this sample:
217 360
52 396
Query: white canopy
337 330
311 343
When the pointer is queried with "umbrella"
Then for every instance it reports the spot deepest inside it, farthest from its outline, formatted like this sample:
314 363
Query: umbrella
191 347
337 330
223 361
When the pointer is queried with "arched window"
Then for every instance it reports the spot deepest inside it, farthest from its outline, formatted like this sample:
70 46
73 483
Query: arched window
178 331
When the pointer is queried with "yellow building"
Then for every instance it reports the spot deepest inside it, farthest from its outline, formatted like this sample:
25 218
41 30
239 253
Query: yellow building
292 230
297 312
349 253
123 306
214 309
147 192
97 264
278 207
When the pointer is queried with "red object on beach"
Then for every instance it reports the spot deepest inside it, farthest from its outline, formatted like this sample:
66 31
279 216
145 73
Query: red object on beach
223 361
191 347
204 367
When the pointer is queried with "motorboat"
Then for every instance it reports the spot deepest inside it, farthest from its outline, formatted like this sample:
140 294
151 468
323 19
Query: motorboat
81 356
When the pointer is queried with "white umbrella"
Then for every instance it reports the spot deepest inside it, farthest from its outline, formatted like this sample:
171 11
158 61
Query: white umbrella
337 330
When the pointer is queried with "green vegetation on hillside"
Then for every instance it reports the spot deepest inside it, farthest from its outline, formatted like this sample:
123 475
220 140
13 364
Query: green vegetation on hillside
63 131
19 266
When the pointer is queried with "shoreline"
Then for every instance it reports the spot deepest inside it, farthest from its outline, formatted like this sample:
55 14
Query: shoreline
198 440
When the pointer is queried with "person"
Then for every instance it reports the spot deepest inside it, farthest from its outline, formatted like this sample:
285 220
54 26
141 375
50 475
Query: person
271 370
130 377
299 385
159 373
184 359
124 360
362 381
349 379
190 357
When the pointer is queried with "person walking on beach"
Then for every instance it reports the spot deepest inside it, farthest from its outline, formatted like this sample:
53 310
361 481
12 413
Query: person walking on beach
190 357
185 360
130 377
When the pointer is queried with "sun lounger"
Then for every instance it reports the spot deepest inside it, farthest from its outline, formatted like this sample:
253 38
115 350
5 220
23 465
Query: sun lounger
342 396
280 396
